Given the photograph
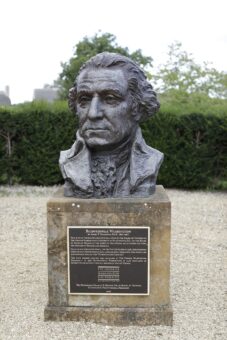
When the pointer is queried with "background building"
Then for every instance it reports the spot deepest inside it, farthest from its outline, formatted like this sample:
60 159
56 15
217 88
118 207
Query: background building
47 93
4 97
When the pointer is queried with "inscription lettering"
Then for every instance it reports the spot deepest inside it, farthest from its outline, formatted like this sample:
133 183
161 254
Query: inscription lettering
106 260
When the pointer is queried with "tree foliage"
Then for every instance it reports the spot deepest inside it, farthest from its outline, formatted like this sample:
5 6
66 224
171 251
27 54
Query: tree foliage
89 47
183 74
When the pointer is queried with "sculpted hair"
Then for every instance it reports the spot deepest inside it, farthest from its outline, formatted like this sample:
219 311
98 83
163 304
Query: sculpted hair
144 99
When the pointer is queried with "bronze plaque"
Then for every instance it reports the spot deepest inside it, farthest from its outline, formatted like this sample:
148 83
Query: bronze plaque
108 260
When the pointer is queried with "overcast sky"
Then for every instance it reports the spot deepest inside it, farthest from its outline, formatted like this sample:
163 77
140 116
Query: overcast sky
36 35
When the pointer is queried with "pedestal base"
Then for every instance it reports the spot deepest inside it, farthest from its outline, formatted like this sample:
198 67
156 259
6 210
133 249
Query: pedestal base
112 316
153 212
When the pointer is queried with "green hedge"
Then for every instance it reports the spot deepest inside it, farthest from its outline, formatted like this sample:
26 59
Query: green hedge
39 131
195 149
194 144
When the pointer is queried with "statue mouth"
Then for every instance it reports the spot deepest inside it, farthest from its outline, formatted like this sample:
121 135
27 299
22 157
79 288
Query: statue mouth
96 129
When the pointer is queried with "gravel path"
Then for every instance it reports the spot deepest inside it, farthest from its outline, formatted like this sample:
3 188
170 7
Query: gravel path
197 271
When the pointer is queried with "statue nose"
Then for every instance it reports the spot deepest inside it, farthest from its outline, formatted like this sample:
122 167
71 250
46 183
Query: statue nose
95 110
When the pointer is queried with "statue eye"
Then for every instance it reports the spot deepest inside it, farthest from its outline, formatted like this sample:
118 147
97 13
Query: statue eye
84 100
111 99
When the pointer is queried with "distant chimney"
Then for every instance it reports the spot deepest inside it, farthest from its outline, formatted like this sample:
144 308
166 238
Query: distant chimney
7 90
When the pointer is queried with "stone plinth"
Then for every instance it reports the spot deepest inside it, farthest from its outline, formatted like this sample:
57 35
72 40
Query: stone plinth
153 211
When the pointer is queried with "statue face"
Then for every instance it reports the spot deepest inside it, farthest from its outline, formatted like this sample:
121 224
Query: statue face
104 109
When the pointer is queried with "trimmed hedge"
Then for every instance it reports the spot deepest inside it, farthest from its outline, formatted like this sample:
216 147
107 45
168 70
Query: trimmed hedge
40 130
194 144
195 149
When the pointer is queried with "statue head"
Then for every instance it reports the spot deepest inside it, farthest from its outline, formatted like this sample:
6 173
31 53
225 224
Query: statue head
111 95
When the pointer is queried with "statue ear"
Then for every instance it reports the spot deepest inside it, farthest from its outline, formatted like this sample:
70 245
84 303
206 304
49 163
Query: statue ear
72 99
136 112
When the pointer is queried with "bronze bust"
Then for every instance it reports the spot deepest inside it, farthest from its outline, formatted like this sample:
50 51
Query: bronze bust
110 158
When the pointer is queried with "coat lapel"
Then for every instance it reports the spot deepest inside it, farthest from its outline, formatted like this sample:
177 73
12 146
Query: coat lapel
144 162
75 165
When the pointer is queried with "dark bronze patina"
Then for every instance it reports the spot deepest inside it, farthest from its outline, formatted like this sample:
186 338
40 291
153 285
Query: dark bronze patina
110 158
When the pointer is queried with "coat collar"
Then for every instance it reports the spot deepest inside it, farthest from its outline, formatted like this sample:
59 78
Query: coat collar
75 163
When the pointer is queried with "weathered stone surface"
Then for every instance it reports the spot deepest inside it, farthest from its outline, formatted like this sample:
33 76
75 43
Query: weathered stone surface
153 211
113 316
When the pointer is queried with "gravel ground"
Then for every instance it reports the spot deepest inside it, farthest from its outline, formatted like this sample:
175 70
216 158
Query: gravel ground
197 271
